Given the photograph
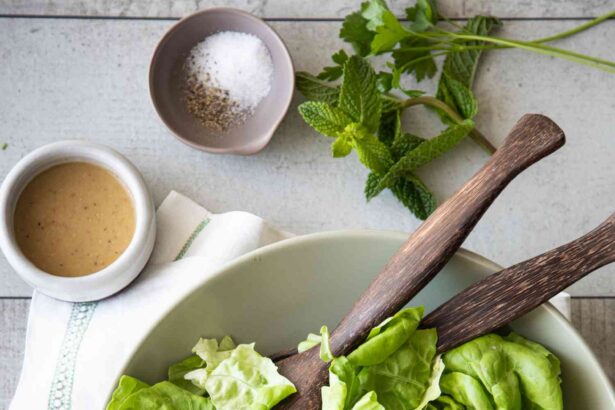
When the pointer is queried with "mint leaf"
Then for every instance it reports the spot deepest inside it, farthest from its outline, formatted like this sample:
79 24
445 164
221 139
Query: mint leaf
354 31
457 95
325 119
341 147
461 66
359 96
403 144
426 152
314 89
390 103
371 186
390 134
373 153
390 126
336 71
415 195
388 34
423 15
409 190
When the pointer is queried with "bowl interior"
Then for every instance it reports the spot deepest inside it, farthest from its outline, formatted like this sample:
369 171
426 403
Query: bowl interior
276 295
166 81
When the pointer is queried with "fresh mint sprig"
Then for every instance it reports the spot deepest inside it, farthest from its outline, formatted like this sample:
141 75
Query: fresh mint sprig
355 119
364 112
367 121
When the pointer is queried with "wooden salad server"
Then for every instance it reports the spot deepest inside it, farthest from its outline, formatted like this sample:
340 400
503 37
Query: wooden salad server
427 250
509 294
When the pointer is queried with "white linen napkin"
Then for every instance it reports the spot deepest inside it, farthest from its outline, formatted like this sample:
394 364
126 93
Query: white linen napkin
74 351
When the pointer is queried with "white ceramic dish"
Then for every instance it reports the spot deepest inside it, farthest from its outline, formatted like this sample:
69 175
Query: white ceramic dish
114 277
276 295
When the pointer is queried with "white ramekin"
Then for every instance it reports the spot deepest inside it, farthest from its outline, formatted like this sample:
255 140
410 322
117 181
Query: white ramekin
114 277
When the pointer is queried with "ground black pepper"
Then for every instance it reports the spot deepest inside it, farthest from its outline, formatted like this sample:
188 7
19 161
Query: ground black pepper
211 106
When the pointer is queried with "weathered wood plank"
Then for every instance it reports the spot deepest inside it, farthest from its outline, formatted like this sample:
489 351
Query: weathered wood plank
300 9
87 79
13 317
595 320
592 317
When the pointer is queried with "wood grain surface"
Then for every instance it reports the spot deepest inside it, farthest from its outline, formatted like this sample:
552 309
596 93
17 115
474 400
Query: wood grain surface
301 9
86 78
13 317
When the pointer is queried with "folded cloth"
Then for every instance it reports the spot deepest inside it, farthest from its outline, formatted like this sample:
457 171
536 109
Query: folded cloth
74 351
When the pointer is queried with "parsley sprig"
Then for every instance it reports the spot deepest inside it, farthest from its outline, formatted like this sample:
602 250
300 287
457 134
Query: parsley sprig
364 112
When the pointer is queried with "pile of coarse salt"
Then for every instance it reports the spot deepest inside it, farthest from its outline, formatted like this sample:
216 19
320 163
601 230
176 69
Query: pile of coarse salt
234 65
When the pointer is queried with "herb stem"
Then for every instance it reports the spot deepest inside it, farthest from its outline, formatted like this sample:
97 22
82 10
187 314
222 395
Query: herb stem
475 134
577 29
595 62
410 63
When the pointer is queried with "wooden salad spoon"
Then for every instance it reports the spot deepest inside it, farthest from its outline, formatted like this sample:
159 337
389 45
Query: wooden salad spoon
510 293
427 250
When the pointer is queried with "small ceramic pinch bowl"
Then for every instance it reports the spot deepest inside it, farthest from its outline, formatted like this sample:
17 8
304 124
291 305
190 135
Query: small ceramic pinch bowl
116 275
166 82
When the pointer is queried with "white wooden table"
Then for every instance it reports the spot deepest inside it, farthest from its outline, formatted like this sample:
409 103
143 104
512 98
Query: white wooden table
78 69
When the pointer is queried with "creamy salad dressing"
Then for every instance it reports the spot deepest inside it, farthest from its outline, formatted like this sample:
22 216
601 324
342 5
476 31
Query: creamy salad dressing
74 219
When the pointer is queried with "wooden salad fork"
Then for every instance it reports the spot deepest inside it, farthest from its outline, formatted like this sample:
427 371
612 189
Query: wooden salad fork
510 293
427 250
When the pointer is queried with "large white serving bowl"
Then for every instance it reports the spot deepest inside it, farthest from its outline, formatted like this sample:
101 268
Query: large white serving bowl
275 295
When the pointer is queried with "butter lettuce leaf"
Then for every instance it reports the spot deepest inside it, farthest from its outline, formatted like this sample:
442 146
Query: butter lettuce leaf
444 402
539 379
211 353
395 368
311 341
344 388
247 380
516 373
165 396
466 390
178 371
126 386
402 379
486 360
386 338
538 348
368 402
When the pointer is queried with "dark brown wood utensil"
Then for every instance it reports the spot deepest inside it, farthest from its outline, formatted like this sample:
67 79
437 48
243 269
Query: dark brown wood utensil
509 294
427 250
